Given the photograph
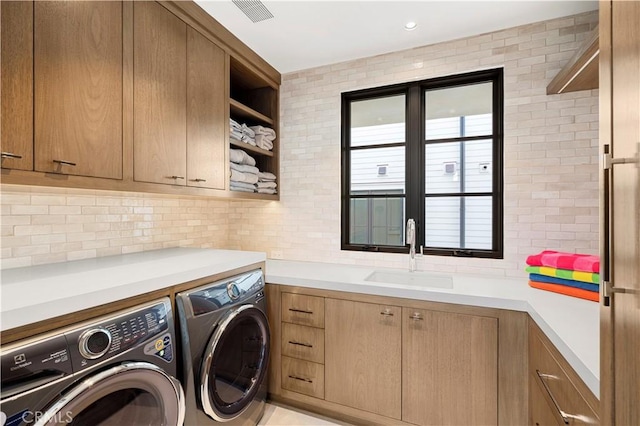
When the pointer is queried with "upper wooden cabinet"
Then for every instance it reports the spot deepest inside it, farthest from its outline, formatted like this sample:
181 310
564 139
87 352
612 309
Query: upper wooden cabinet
207 116
452 359
363 356
129 96
78 88
17 84
160 95
581 71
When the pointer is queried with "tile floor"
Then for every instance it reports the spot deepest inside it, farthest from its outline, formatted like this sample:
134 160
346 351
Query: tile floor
276 414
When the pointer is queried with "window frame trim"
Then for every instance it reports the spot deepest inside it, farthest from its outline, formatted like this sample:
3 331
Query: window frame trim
415 194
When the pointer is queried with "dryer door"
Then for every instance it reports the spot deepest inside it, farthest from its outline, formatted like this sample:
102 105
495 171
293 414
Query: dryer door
235 363
132 393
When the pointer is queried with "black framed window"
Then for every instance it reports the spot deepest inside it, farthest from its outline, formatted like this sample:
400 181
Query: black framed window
429 150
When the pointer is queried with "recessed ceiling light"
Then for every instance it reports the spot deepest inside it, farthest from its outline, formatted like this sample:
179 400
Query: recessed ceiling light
410 26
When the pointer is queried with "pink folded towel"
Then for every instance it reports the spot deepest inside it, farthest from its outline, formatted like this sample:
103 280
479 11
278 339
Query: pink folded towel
571 261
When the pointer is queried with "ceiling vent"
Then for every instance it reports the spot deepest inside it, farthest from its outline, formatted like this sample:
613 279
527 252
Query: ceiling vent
254 9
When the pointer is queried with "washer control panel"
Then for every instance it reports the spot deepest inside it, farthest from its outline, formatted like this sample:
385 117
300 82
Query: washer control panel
234 290
101 340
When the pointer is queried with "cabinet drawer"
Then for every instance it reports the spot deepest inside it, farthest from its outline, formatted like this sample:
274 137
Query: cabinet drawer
302 309
548 372
303 377
299 341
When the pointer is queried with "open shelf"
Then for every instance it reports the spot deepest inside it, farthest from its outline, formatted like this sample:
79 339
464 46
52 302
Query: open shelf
581 71
251 148
240 110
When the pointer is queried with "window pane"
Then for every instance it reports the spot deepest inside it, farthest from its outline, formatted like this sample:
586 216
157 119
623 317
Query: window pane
458 111
377 221
378 121
378 169
459 222
445 172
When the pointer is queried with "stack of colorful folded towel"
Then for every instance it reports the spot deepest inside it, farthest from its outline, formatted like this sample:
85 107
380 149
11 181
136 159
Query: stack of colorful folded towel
576 275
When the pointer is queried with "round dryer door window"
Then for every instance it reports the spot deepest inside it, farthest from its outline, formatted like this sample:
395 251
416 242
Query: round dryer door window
235 363
132 393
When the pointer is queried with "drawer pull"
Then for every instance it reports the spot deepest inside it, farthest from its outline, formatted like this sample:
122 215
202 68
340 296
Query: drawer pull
63 162
306 345
416 316
175 177
302 379
301 311
198 180
543 376
11 155
387 313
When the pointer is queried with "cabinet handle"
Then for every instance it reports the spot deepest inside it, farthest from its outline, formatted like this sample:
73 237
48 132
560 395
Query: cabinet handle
11 155
417 316
306 345
387 313
542 376
197 180
302 379
66 163
175 177
300 311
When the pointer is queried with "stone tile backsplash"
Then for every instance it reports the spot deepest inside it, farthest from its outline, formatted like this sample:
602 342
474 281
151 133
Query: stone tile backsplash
550 176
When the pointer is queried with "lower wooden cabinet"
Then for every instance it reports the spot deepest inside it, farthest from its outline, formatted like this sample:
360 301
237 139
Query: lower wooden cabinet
384 360
552 380
449 368
363 344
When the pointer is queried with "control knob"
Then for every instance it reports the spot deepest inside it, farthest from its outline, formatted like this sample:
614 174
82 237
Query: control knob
94 343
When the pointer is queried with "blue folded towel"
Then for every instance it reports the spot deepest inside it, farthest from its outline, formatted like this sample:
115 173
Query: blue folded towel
561 281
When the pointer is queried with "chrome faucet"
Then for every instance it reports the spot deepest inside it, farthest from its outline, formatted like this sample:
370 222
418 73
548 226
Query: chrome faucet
411 240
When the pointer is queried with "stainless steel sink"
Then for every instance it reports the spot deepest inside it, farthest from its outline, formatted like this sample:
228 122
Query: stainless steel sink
415 279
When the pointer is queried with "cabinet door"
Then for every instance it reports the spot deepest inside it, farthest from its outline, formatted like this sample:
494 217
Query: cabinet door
362 356
78 88
541 413
449 368
620 239
206 113
17 84
160 95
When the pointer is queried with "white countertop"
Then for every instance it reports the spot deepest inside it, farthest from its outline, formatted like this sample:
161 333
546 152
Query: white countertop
37 293
573 325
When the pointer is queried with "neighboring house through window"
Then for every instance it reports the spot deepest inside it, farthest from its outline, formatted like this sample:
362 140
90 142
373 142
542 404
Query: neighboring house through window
428 150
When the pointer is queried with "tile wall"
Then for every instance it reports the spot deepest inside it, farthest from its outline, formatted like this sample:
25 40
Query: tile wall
47 225
551 174
551 149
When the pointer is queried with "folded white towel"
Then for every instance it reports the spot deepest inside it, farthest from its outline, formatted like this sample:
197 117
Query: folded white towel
263 142
266 191
266 131
244 185
248 131
243 177
249 139
245 168
241 189
234 124
240 157
266 176
269 184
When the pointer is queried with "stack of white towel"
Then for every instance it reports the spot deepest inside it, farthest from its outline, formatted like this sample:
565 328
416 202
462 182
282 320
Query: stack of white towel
246 177
264 137
266 183
259 136
242 132
244 173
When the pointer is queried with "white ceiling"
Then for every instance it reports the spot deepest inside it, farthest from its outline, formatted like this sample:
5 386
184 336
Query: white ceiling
306 34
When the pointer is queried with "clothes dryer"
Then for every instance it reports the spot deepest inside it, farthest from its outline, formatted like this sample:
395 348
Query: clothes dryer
225 350
118 369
